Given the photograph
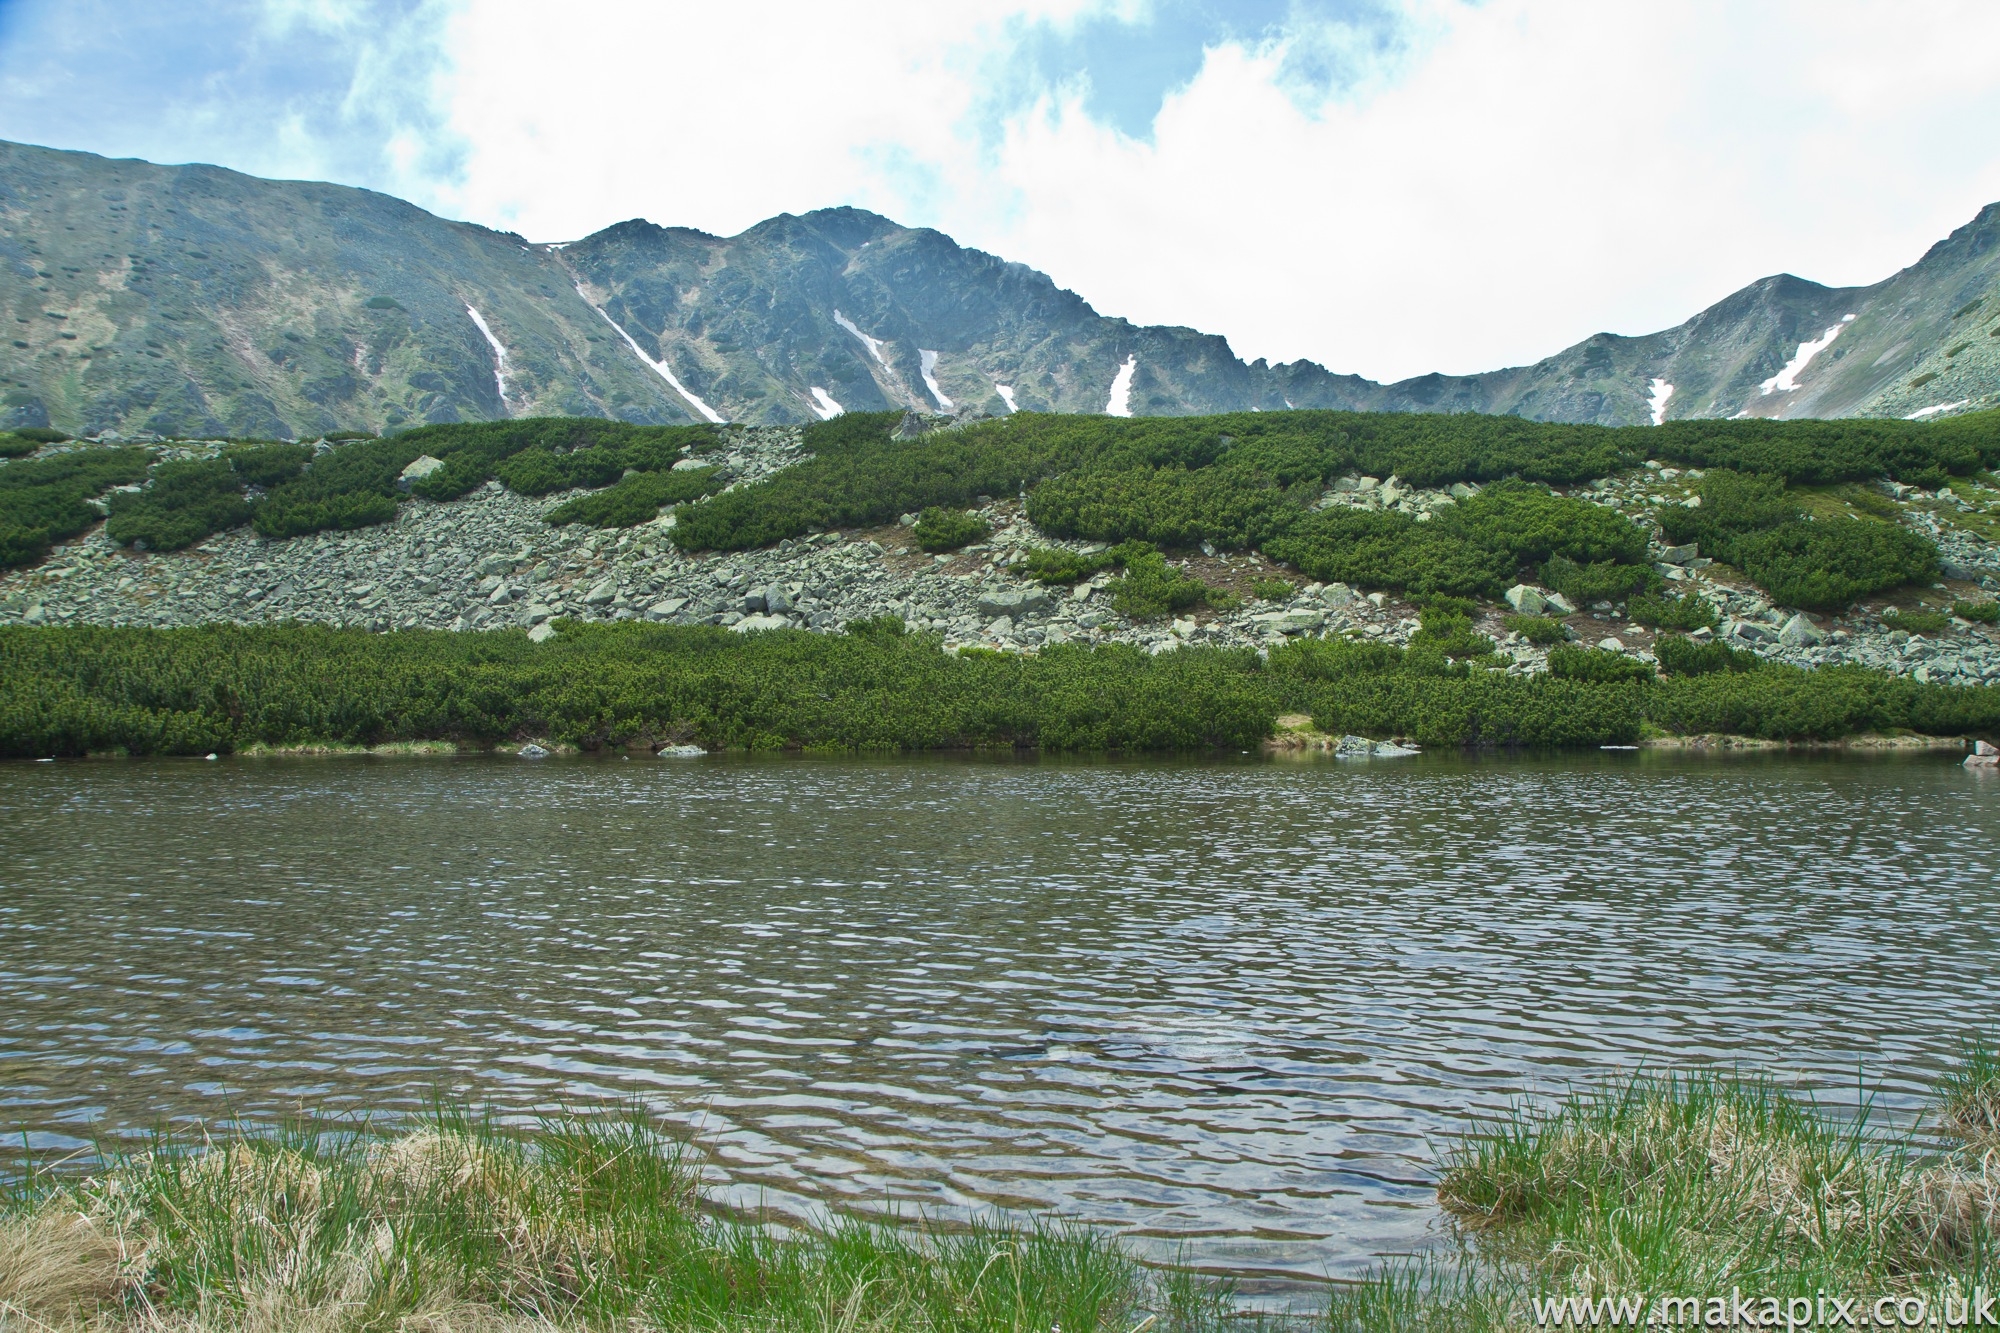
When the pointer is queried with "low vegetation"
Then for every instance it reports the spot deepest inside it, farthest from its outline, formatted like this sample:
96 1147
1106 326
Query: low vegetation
84 690
1750 521
949 529
47 500
456 1226
1702 1188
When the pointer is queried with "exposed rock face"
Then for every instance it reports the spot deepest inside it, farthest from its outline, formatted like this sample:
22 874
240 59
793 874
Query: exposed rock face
192 301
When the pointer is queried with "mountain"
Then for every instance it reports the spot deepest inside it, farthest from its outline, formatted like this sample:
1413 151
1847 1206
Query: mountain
197 301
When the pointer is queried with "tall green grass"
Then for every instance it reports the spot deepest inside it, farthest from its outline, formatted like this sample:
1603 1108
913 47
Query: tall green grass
587 1223
1702 1184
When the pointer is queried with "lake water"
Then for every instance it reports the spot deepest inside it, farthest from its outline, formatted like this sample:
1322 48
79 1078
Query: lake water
1231 1008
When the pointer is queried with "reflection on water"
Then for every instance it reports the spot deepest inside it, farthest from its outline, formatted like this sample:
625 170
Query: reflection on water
1231 1006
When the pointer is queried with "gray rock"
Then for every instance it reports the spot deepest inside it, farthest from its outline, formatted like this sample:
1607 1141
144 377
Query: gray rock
602 593
1559 604
1680 555
751 624
494 564
541 633
420 468
689 465
1611 644
681 752
753 603
1526 600
1296 621
1336 594
532 751
1800 632
1013 603
777 601
665 607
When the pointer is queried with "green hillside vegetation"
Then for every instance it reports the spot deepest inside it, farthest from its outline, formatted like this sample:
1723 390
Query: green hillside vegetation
47 500
75 691
1242 481
1247 480
1752 522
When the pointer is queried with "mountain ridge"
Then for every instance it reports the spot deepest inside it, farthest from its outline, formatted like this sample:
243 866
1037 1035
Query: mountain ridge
194 300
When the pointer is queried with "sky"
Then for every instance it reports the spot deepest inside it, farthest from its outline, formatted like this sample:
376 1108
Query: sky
1387 187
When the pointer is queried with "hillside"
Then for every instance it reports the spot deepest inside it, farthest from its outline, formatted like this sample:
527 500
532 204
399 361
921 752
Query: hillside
193 301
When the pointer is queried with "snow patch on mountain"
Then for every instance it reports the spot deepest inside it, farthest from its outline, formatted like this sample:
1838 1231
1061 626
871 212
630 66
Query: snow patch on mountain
928 363
874 345
1120 402
1659 392
1006 392
824 405
1936 408
499 354
659 367
1787 379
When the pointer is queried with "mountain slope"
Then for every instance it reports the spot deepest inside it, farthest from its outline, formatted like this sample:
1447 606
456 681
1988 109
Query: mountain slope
197 301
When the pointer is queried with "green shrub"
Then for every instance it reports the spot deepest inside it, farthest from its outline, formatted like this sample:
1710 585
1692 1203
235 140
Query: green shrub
1272 590
1152 588
1917 621
1543 630
1823 565
1669 612
1056 566
1682 656
1383 549
1826 565
13 446
949 529
1447 629
41 434
44 501
1600 581
357 484
636 499
1596 665
1979 613
184 503
268 465
1532 524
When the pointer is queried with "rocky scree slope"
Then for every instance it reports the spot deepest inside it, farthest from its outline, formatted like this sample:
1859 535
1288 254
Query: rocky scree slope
192 301
491 561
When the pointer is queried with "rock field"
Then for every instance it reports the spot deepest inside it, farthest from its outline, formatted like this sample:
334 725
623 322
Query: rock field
489 561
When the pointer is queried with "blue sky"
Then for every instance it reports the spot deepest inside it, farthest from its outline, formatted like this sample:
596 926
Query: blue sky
1387 186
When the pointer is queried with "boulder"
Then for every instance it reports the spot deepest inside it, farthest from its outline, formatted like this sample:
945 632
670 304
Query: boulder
681 752
1296 621
532 751
542 632
1800 632
777 601
1680 555
1611 644
689 465
750 624
1528 601
1463 491
493 564
602 593
420 468
660 610
1013 603
1559 604
1336 594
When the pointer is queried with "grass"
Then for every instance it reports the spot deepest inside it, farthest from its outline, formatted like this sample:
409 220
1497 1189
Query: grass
581 1224
1701 1185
